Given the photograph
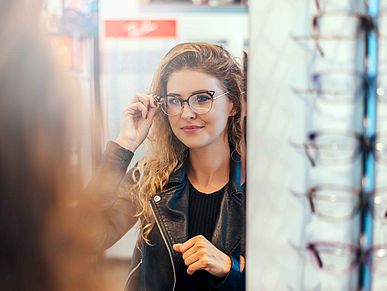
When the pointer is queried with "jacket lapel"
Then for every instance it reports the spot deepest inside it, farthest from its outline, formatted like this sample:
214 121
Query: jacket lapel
230 224
173 210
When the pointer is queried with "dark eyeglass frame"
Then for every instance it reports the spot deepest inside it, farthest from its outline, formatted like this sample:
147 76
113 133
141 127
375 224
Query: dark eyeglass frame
360 256
162 99
363 200
363 144
322 10
366 24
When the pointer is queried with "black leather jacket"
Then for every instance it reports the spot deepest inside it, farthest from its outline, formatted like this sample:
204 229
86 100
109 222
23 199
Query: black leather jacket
155 267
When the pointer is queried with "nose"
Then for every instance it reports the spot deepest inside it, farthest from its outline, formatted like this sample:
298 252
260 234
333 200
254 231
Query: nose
186 111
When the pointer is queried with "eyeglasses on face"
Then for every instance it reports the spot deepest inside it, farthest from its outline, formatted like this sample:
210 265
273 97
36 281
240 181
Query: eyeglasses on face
342 147
337 257
337 203
200 103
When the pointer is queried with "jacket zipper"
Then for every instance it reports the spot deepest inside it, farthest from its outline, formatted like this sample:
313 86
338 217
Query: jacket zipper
166 245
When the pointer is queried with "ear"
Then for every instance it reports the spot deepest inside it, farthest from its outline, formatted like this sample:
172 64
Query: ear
233 111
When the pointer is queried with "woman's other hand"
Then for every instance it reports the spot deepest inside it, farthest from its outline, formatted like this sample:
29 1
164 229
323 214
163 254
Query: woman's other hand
200 254
136 121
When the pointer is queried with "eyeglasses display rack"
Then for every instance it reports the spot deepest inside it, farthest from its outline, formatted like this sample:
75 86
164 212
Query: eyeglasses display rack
345 38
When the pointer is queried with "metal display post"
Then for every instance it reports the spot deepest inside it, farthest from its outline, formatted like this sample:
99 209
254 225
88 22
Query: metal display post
369 133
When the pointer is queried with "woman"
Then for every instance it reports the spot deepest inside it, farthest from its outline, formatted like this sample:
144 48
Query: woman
187 190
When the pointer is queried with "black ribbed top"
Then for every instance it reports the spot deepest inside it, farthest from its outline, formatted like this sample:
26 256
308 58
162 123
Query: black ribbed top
203 214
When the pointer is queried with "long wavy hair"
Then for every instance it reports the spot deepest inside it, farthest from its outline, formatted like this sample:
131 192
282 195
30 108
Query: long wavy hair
166 152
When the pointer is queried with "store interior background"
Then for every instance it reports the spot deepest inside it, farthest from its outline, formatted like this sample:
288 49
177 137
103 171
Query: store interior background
276 117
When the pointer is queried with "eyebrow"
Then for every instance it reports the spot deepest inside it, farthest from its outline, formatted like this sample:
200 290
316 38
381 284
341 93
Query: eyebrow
192 93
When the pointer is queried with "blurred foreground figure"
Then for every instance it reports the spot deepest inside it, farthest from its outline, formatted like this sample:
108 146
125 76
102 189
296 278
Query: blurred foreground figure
42 246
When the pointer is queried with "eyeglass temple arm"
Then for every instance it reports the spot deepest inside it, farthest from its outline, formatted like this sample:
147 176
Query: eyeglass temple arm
317 256
305 147
214 98
308 155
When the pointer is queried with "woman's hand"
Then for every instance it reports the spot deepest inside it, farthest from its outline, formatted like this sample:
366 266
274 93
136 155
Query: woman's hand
200 254
136 121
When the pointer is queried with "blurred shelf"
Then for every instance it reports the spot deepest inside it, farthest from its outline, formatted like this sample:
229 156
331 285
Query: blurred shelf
190 8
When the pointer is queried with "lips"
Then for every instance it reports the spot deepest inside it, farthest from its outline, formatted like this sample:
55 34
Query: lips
191 128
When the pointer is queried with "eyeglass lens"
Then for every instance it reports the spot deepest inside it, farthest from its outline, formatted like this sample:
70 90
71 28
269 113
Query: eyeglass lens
330 148
199 103
340 258
335 204
334 258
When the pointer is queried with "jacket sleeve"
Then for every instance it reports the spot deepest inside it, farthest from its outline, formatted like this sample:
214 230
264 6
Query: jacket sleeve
235 279
114 213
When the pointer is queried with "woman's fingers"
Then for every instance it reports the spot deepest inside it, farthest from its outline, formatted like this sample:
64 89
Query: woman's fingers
137 108
143 103
193 257
198 265
146 99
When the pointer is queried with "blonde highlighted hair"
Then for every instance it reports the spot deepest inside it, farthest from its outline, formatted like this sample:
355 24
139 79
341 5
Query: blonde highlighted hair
166 153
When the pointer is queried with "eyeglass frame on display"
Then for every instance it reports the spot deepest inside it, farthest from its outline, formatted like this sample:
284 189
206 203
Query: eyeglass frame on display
360 256
317 89
319 9
363 200
363 144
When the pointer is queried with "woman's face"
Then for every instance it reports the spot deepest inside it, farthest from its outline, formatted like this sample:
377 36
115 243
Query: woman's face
199 130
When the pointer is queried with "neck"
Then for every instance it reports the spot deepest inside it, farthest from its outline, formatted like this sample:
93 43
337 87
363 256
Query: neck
209 167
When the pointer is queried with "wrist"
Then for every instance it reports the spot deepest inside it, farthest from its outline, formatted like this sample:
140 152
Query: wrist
125 144
227 265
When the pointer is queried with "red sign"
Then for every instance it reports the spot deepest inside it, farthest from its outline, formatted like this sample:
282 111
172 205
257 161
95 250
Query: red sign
140 28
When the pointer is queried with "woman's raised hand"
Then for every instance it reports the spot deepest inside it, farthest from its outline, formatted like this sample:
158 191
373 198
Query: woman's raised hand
136 121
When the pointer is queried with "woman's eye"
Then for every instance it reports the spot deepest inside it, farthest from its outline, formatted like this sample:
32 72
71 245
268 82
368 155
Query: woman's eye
173 101
202 98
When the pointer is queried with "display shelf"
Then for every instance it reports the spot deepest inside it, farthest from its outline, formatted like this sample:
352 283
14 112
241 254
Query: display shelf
190 8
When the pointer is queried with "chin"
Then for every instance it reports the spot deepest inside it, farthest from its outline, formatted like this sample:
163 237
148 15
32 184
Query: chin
193 144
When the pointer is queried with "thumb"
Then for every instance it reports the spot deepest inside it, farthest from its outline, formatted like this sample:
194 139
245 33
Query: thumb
176 247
